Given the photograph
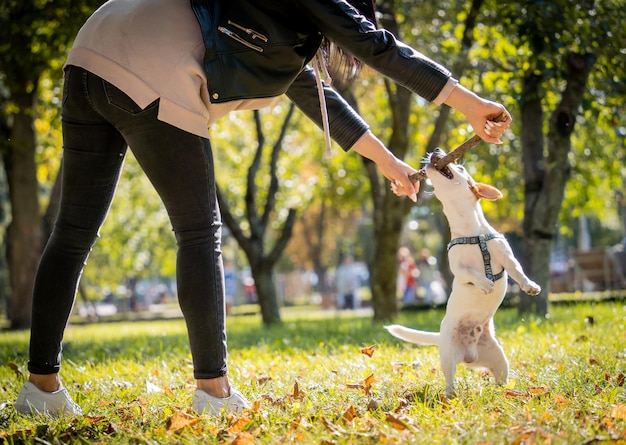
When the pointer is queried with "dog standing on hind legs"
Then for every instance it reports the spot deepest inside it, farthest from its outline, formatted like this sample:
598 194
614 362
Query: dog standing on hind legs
481 261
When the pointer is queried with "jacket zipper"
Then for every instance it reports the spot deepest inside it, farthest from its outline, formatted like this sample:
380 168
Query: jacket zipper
238 38
254 34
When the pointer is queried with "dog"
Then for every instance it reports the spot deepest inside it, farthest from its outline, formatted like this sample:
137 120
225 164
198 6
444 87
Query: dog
481 261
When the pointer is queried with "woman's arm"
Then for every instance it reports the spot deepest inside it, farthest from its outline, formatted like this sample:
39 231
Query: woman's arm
392 168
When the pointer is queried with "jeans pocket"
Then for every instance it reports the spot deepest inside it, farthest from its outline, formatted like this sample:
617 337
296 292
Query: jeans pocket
119 99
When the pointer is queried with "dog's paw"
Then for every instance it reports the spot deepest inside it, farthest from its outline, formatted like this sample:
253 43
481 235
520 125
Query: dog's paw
531 288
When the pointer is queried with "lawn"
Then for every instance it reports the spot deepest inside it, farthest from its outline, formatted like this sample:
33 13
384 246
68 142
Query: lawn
328 378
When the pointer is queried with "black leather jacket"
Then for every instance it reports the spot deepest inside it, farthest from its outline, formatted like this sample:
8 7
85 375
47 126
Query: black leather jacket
260 48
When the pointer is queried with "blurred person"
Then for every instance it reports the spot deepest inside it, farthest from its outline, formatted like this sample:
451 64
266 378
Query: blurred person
408 276
430 279
347 282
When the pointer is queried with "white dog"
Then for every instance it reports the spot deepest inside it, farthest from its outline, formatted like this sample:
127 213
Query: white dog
480 259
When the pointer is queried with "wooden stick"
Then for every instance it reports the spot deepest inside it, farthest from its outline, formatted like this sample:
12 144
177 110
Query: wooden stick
453 155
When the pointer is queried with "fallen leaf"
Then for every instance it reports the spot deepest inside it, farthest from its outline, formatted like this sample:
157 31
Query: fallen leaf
593 361
619 412
538 390
179 420
243 439
368 380
561 400
620 379
297 394
15 369
262 380
332 427
350 414
369 351
511 393
372 405
239 424
396 422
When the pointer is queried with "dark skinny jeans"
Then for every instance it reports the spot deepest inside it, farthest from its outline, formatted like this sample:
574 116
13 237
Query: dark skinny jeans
99 123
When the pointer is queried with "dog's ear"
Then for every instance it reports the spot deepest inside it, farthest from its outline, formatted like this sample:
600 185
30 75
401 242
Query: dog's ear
486 191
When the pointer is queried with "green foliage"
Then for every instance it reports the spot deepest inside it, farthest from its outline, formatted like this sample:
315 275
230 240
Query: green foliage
310 382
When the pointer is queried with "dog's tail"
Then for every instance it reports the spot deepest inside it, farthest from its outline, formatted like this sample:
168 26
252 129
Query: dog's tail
414 336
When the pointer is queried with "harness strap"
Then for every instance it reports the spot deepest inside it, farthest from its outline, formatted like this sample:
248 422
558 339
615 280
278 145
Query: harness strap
481 240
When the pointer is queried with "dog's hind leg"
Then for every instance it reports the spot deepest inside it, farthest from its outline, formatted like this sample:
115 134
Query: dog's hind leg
448 367
492 356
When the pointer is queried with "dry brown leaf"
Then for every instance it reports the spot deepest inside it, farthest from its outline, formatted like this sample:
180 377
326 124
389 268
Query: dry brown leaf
538 390
372 405
297 394
180 420
511 393
367 382
350 414
619 412
369 350
15 369
94 419
243 439
620 379
396 422
238 425
593 361
332 427
262 380
561 400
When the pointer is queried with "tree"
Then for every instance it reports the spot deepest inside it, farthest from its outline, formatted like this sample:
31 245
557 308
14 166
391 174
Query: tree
389 211
561 45
34 37
261 210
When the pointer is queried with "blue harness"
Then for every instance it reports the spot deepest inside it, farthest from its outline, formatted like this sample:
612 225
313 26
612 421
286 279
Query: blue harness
481 240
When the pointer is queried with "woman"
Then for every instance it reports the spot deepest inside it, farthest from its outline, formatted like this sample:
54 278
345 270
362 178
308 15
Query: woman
155 75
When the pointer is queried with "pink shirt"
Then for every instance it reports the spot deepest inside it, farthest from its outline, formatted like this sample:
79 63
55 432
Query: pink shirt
153 49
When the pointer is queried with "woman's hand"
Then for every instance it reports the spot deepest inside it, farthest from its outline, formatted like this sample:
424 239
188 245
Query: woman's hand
392 168
480 113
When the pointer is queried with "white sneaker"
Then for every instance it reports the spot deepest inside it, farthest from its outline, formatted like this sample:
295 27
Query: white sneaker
204 403
32 400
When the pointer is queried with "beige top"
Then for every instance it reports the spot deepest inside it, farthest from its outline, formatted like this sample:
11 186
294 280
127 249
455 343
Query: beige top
116 41
153 49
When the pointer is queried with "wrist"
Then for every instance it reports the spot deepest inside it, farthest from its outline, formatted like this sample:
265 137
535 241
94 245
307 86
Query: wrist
464 101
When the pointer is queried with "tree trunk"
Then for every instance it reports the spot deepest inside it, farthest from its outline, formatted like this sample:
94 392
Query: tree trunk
24 231
266 292
389 211
546 178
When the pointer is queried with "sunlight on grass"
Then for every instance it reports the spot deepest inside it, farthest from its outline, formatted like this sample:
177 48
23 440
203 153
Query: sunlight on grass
309 382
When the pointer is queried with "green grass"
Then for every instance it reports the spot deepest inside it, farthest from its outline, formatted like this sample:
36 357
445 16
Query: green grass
134 380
